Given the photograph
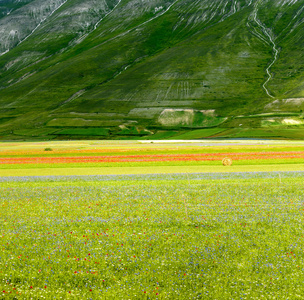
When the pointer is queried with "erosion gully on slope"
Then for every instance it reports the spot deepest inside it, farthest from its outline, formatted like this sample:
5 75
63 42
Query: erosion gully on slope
269 39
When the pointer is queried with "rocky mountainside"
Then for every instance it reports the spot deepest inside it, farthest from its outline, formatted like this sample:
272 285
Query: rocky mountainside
134 67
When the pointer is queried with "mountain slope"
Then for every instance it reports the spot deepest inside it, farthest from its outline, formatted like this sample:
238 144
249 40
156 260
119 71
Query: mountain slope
131 65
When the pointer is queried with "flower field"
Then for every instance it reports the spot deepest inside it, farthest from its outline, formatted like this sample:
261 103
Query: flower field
195 236
153 157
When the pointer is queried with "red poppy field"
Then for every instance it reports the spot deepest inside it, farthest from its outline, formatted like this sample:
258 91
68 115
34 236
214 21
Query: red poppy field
155 158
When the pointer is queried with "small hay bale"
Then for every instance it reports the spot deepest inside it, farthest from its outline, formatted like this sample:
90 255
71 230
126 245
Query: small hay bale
227 161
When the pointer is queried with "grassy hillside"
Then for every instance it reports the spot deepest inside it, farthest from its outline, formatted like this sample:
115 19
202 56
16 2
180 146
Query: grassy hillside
133 68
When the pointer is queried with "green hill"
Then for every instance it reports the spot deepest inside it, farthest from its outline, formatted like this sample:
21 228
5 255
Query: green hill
132 68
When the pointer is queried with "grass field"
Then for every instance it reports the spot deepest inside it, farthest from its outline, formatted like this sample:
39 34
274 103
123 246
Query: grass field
196 236
182 229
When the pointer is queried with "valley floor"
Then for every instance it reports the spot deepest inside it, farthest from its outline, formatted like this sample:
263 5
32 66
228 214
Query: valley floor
148 157
156 220
182 236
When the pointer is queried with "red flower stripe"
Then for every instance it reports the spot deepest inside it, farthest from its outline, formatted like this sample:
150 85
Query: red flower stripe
154 157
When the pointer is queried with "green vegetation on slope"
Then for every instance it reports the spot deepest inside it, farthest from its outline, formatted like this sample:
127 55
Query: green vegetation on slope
136 60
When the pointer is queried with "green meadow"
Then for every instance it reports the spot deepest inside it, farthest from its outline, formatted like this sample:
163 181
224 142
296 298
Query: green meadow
151 230
170 236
